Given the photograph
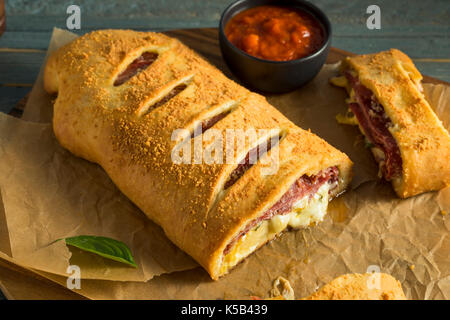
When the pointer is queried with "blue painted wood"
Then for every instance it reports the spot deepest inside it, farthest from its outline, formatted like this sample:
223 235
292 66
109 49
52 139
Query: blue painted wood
201 13
430 44
9 96
20 67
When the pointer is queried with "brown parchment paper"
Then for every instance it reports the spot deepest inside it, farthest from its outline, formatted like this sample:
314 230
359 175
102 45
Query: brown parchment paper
49 194
368 228
412 232
20 283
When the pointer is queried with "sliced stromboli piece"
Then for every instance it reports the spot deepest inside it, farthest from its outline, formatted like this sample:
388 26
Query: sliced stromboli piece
386 101
134 127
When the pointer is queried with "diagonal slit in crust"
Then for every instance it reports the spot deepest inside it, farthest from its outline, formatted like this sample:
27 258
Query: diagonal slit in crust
165 95
168 96
209 123
246 164
138 65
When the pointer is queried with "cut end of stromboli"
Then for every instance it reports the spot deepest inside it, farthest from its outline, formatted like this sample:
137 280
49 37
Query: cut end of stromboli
307 210
407 139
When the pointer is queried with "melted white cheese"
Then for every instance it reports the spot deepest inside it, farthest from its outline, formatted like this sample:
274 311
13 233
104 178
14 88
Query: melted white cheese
339 81
305 212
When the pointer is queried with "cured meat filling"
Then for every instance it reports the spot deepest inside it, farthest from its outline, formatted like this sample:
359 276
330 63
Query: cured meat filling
305 186
138 65
375 124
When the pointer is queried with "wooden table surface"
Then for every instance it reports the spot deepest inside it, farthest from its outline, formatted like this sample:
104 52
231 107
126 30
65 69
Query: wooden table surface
419 28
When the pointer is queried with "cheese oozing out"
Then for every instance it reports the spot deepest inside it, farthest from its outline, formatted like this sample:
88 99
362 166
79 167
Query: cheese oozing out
305 212
348 118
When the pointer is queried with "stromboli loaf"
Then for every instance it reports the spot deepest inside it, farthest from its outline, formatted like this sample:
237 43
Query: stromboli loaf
122 118
392 112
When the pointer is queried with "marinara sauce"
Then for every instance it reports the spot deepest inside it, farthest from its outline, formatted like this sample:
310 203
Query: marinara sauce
275 33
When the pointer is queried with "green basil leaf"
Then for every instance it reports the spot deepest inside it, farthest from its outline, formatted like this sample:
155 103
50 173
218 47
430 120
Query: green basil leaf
105 247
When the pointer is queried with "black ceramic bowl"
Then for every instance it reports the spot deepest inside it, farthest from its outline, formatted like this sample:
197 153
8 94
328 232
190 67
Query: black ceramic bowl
273 76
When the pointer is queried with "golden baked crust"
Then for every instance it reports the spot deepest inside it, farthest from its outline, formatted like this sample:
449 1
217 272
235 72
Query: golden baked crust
423 141
106 124
369 286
